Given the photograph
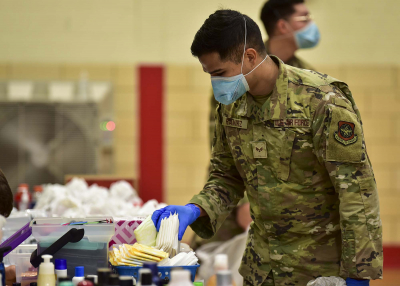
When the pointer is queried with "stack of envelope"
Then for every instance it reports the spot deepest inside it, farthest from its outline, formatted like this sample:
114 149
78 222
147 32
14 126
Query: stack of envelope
167 238
135 255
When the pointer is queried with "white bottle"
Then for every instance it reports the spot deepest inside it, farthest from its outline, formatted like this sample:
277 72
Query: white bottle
61 268
180 277
79 275
94 277
224 278
46 275
220 263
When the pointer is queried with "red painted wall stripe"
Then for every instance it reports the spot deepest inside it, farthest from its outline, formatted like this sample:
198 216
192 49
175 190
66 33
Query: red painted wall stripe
391 257
151 161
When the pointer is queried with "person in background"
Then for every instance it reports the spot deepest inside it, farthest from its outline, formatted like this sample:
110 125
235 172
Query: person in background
289 27
6 206
293 139
6 196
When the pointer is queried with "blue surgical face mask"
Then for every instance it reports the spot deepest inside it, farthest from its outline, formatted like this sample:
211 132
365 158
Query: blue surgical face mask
308 37
228 89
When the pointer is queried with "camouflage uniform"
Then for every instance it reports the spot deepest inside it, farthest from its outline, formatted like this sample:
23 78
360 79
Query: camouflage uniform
302 160
230 228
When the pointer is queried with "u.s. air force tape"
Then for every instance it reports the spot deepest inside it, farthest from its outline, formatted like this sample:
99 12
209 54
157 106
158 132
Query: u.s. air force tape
293 122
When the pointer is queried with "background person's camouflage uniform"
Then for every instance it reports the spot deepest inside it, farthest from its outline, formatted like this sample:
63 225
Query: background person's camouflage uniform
230 227
303 162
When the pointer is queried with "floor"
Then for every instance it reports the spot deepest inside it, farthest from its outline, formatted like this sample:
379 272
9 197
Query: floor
391 277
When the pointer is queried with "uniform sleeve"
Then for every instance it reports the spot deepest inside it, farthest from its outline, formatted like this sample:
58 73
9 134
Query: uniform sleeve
224 188
339 145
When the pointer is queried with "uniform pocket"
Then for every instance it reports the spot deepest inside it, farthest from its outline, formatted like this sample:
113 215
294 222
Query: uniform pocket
369 195
303 160
285 155
348 253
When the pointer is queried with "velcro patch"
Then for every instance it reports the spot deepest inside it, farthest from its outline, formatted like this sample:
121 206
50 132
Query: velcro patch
345 133
294 122
233 122
259 149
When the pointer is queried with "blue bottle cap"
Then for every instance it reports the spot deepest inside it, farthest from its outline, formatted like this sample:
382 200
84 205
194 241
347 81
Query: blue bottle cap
79 271
60 264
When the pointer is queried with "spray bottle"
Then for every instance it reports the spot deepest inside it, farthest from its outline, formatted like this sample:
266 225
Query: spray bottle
46 275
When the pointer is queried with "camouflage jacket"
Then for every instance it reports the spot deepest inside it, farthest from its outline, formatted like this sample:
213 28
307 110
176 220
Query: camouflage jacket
302 160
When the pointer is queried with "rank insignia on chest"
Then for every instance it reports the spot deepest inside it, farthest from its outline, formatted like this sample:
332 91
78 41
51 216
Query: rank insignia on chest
259 149
292 122
233 122
345 133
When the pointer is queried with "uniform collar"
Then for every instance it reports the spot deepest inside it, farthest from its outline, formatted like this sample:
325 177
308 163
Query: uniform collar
276 109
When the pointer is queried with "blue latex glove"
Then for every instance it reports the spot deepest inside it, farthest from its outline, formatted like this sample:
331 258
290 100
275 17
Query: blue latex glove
186 214
354 282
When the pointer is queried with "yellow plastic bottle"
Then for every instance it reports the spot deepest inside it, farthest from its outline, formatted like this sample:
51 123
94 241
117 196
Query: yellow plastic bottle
46 275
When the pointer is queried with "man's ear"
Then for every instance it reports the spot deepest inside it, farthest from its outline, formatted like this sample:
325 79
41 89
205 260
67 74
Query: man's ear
252 55
282 27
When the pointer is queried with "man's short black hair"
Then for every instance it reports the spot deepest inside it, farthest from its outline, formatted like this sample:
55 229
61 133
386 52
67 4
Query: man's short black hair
275 10
223 32
6 197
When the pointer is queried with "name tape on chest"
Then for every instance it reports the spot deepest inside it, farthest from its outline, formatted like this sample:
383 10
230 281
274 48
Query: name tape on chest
294 122
232 122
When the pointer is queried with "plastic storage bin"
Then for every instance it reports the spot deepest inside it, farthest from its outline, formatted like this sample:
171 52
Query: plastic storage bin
20 257
163 271
91 251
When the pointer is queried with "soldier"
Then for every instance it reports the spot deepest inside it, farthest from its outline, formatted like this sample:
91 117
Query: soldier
284 21
299 153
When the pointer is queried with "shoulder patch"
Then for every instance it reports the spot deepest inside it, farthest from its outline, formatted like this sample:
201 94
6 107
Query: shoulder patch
345 133
344 142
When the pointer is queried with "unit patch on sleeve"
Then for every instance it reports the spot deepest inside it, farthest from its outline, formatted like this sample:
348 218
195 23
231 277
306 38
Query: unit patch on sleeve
345 133
292 122
233 122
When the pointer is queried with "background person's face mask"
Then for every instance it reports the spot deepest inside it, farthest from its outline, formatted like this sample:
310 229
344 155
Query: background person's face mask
308 37
228 89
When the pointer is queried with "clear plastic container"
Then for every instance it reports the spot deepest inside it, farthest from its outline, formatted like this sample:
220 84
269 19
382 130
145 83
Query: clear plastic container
14 224
20 257
91 252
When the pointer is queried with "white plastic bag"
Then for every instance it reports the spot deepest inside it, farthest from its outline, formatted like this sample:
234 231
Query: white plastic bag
327 281
234 248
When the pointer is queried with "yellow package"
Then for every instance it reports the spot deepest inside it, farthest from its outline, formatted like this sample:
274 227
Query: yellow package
150 250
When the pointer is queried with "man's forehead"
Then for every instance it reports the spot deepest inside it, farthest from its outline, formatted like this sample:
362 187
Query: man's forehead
210 61
301 9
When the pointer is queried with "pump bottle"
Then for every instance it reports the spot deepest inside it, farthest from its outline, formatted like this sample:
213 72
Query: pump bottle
46 275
